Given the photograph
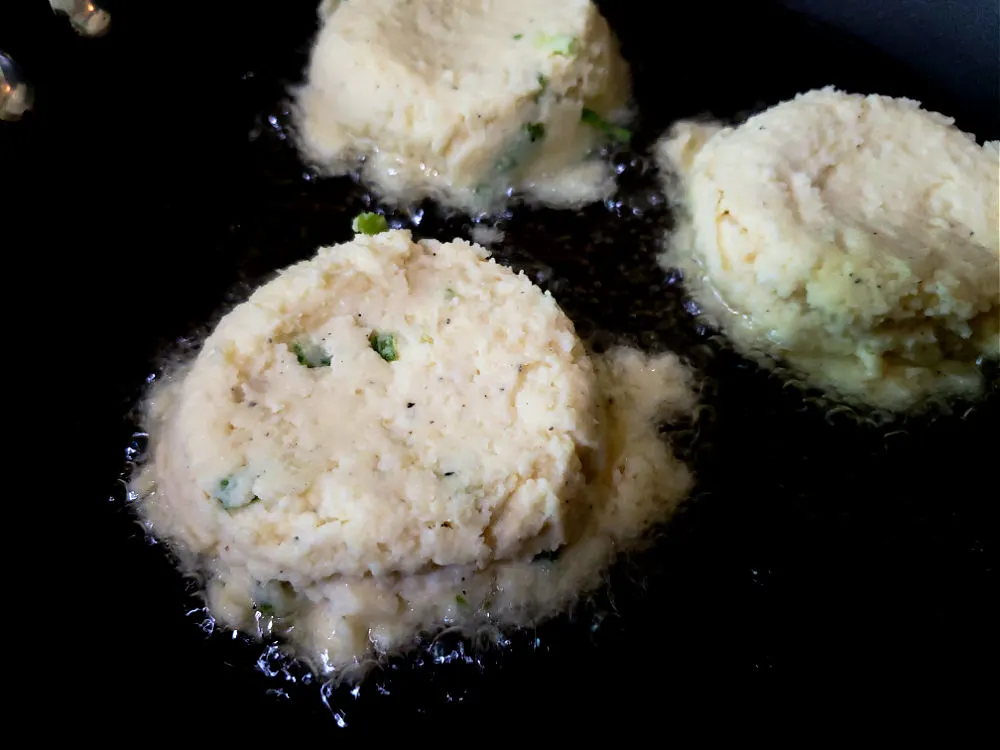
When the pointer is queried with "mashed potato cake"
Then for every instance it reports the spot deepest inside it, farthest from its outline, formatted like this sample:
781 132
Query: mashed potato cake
639 484
396 436
344 623
385 407
854 237
462 99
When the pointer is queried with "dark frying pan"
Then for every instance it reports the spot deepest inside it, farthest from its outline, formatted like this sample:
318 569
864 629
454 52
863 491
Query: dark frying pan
160 186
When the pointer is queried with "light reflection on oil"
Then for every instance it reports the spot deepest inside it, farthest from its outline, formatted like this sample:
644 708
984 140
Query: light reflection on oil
87 18
15 94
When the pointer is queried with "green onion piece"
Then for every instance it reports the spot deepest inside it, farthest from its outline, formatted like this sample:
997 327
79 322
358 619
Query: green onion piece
535 131
461 600
235 491
310 354
543 82
558 44
369 223
519 36
275 598
385 345
521 147
594 120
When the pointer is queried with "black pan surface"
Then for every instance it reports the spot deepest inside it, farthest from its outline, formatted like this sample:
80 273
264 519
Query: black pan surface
817 550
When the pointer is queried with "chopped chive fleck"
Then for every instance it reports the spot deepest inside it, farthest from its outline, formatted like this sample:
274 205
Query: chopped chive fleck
594 120
233 492
558 44
385 345
309 354
369 223
274 599
535 130
461 600
519 36
543 82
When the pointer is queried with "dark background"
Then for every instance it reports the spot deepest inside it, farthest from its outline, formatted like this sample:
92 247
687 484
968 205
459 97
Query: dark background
954 44
841 561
